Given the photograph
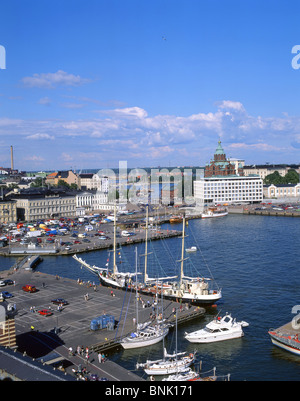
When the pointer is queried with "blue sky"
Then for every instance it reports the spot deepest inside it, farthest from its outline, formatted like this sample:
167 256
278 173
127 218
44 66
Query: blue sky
153 82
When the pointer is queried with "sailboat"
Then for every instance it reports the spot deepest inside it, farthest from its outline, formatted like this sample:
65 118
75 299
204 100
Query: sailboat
171 363
114 278
147 334
193 290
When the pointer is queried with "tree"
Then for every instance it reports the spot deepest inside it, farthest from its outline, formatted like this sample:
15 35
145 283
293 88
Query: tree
274 178
292 177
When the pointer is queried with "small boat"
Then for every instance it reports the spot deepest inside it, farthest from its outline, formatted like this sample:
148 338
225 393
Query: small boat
214 212
146 336
175 219
171 363
187 375
219 329
287 341
191 249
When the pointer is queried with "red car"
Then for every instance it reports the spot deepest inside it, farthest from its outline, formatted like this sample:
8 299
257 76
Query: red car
45 312
29 288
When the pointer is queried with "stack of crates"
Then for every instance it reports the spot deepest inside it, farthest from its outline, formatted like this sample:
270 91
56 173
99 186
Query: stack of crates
103 322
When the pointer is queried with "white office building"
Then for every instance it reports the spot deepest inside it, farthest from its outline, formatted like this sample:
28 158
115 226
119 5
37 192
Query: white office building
228 189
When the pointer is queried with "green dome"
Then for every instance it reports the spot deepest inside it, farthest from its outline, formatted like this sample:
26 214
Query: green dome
219 150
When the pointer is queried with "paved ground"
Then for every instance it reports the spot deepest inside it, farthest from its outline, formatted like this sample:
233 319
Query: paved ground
36 334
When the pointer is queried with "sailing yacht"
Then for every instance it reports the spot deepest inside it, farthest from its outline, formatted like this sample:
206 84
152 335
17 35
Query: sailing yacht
171 363
114 278
147 334
193 290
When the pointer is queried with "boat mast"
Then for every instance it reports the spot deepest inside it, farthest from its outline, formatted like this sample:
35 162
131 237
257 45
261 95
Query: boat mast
182 250
136 292
115 229
146 246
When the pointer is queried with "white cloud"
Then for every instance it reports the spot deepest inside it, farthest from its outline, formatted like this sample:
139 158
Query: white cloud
40 136
51 80
45 101
132 133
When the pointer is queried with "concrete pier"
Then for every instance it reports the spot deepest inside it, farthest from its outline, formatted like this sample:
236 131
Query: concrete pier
42 336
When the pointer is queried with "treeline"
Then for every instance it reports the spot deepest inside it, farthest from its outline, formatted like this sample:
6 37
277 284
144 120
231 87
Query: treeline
291 177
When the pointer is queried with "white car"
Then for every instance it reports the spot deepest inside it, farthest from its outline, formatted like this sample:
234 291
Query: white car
2 283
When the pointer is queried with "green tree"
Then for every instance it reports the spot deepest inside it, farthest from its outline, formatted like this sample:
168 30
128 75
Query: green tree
291 177
274 178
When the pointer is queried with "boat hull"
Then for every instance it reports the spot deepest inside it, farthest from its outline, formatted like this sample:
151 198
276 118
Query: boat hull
131 343
211 339
168 368
206 300
289 346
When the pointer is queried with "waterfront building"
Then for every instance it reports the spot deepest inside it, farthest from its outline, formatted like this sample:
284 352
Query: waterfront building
43 203
232 189
282 191
224 182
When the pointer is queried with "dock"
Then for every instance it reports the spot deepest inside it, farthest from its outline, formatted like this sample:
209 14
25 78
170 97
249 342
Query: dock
46 337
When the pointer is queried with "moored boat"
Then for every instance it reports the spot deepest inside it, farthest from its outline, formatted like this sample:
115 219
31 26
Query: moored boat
175 219
287 341
219 329
214 212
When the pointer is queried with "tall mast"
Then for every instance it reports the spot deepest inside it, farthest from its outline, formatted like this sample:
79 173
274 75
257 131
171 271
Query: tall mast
182 249
146 246
115 229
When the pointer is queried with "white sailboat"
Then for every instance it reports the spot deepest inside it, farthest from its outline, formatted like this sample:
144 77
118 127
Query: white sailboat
108 278
219 329
171 363
146 335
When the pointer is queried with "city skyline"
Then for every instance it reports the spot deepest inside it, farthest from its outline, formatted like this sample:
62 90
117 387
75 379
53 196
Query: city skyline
155 83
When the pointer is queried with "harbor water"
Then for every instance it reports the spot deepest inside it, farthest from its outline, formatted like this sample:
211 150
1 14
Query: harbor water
256 262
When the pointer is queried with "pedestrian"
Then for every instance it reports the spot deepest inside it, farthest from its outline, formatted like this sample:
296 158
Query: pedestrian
100 357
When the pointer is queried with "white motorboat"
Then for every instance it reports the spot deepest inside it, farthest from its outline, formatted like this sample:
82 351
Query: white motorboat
214 212
191 249
219 329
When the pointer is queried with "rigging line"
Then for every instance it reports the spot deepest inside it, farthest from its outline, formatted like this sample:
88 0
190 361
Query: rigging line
121 313
205 262
126 311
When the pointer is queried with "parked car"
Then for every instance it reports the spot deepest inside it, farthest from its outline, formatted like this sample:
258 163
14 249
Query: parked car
45 312
29 288
2 283
8 281
59 301
6 294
